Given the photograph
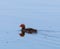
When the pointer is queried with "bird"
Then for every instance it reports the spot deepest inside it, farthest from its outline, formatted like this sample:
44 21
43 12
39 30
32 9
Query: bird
26 30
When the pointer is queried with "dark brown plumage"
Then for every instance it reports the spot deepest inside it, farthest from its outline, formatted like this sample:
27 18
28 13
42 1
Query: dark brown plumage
26 30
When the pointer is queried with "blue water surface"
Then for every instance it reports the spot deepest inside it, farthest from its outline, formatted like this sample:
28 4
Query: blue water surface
43 15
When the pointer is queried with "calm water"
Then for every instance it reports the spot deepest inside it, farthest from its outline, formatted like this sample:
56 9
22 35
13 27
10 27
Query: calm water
42 15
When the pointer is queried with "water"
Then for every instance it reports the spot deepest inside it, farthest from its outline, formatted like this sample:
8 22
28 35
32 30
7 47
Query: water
42 15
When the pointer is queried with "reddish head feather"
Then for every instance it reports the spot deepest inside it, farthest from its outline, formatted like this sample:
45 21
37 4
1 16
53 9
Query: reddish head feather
22 25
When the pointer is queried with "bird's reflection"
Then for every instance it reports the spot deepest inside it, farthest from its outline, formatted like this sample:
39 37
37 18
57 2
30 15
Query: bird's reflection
31 30
27 30
22 34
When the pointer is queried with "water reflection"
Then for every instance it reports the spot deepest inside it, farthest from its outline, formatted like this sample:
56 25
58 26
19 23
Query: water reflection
29 31
26 30
41 32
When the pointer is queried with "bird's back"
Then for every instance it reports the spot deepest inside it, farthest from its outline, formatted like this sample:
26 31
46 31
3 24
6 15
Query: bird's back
31 30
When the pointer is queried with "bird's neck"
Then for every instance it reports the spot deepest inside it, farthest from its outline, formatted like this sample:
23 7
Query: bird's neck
23 27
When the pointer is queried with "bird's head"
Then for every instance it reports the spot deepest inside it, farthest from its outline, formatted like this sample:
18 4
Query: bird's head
22 25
